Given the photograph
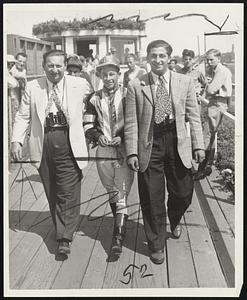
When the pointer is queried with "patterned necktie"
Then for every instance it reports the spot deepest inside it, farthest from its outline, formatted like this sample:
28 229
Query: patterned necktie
163 106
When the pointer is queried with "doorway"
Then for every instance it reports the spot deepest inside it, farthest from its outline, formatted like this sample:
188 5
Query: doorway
84 47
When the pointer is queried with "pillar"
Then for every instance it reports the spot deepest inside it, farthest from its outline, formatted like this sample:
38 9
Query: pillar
69 45
102 46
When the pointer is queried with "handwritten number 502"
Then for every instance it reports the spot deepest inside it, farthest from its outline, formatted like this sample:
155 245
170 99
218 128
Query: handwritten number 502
128 273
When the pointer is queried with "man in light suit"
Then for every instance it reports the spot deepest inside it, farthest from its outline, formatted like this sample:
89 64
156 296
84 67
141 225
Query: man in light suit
51 112
158 145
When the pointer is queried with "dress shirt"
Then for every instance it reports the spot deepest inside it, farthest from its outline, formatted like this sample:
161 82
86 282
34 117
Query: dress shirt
166 77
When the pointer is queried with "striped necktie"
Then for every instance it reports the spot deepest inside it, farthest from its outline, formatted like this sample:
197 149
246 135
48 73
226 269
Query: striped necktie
163 106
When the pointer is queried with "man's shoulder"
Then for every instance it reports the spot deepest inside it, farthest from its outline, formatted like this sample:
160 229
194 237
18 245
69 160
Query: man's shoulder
180 76
140 81
38 82
74 79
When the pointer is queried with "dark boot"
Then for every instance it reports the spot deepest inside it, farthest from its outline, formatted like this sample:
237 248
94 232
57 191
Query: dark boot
119 233
113 208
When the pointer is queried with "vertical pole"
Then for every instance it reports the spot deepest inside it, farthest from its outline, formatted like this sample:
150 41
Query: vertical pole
198 45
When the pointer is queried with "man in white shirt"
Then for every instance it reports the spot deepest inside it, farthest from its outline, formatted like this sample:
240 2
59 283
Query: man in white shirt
51 111
158 146
218 92
19 72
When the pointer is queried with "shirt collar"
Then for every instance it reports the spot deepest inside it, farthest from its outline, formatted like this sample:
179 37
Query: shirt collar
59 84
166 77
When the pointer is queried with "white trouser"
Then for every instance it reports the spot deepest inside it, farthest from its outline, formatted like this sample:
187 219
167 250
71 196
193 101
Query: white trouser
116 178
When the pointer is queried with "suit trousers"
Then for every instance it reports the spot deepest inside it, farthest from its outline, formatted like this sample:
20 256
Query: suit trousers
164 164
61 178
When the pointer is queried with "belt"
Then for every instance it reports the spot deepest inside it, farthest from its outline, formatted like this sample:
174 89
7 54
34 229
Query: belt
162 128
56 127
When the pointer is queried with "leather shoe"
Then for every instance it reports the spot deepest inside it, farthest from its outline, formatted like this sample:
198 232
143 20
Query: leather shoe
176 232
63 247
157 257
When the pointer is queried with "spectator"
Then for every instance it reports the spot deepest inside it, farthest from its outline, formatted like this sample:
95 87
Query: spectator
126 53
20 73
74 68
13 101
173 65
134 70
218 92
193 71
113 52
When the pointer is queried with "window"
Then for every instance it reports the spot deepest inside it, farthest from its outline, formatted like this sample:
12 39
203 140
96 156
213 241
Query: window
40 47
22 44
30 45
58 47
47 48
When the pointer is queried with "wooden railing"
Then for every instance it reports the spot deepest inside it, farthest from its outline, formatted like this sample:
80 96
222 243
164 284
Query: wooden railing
226 114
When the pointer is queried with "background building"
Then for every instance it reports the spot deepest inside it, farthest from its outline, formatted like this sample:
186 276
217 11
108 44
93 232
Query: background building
34 49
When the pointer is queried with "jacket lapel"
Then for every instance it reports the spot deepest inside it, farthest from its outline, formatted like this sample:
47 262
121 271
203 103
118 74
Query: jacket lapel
41 99
71 89
175 89
148 88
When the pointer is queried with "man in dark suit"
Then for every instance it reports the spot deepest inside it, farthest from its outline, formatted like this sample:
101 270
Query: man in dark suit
159 146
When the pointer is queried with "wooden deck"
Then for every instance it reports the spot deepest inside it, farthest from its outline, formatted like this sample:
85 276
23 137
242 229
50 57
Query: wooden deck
202 257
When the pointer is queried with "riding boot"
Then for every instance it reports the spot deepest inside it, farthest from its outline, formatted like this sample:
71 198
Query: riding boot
119 233
113 208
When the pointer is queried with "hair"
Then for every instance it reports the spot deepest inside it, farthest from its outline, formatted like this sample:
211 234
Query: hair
187 52
159 43
174 59
82 58
20 54
131 55
215 52
54 52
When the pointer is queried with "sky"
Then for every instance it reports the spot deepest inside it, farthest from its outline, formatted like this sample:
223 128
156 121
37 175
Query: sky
181 33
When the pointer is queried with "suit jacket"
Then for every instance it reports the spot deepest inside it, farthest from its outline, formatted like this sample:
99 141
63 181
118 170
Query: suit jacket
31 116
139 118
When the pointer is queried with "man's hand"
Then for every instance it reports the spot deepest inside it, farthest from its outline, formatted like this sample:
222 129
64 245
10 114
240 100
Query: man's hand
103 141
116 141
199 155
16 151
133 163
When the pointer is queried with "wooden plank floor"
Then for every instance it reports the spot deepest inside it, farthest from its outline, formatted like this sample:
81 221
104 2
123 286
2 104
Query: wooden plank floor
202 257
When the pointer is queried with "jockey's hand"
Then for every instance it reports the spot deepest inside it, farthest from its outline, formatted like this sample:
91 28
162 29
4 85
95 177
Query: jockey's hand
103 141
16 151
116 141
